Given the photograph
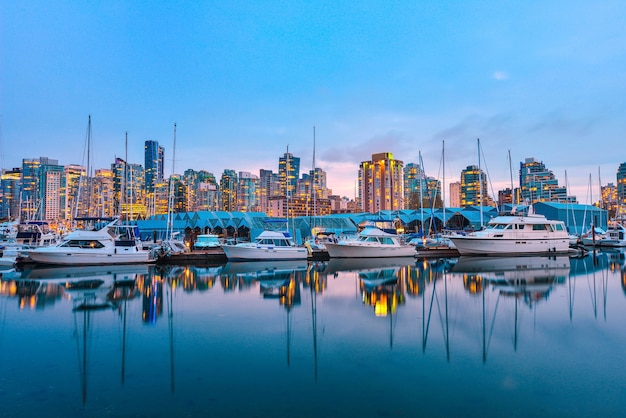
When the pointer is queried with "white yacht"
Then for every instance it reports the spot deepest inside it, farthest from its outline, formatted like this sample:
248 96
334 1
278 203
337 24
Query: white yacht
112 244
614 236
269 245
513 234
371 242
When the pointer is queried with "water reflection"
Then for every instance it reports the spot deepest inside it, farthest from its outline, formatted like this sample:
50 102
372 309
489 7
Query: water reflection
319 321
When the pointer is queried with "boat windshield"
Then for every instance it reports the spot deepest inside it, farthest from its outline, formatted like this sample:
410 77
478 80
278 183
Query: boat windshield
82 243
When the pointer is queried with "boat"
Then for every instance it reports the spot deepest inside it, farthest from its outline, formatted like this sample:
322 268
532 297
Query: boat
371 242
112 244
206 241
614 236
515 235
434 247
317 245
269 245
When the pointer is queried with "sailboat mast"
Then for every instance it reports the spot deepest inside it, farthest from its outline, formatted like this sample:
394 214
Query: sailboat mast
123 194
422 193
511 174
314 178
443 185
480 182
89 191
287 164
170 199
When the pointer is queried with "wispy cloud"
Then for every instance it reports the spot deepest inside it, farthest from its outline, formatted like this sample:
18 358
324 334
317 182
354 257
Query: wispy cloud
500 75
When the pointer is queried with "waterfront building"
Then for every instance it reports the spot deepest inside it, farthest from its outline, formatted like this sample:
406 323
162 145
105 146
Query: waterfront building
51 188
433 193
75 196
248 192
297 206
179 198
129 189
228 190
288 173
621 190
105 195
474 187
608 200
159 203
312 186
269 186
455 194
10 185
381 185
29 181
206 197
414 186
538 184
199 186
505 196
153 157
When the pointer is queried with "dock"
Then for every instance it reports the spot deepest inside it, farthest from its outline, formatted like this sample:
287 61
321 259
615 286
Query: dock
210 256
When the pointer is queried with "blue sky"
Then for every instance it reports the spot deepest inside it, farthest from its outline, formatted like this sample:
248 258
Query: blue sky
243 80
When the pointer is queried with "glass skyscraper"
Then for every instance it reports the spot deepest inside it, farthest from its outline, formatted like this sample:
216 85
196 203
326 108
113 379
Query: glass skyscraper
153 157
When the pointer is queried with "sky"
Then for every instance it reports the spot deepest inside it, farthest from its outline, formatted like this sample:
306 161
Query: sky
244 80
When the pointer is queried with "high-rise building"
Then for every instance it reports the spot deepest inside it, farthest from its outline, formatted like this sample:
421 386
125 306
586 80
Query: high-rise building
248 192
103 189
153 157
538 184
621 190
289 173
29 181
228 191
269 187
129 189
414 186
10 185
473 187
51 188
455 194
75 194
381 184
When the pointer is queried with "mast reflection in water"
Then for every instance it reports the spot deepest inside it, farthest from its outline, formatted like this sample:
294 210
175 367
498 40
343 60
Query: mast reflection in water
470 336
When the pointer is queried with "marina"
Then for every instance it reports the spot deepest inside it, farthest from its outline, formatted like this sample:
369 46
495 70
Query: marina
479 336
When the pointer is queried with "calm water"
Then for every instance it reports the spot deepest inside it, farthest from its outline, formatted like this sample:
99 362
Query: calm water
371 338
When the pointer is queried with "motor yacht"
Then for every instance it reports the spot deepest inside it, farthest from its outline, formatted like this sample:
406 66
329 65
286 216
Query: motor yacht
269 245
371 242
513 234
112 244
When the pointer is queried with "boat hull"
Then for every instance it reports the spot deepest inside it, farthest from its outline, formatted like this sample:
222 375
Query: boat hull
85 259
471 245
350 250
251 252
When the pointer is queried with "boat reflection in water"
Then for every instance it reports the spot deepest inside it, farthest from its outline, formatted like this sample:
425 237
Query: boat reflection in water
530 279
336 265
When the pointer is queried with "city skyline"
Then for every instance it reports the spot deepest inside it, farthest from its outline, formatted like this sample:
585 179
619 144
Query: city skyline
244 81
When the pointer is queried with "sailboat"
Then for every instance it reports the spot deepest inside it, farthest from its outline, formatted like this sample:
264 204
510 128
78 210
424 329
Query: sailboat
434 246
171 244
